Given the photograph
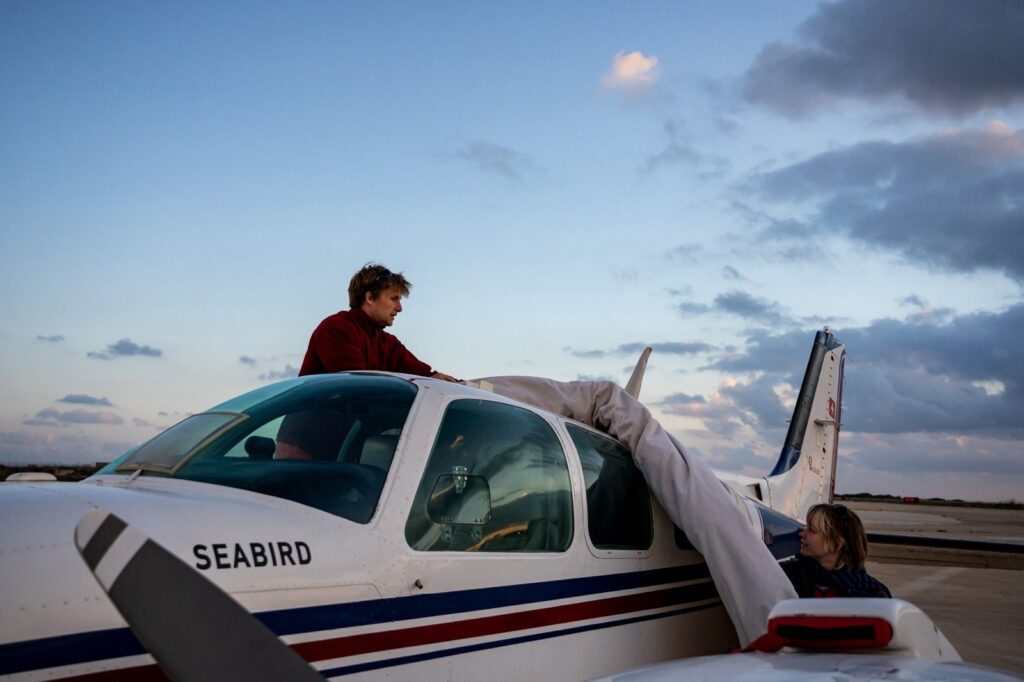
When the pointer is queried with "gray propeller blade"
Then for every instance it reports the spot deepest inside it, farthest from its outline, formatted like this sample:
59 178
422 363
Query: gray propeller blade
193 629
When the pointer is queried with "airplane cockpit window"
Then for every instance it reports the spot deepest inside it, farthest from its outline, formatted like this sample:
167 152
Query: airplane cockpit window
326 442
496 481
618 500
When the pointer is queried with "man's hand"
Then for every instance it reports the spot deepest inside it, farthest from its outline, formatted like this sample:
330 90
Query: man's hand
443 377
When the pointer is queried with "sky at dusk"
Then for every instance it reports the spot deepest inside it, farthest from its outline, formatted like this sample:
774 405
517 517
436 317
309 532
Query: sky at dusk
186 188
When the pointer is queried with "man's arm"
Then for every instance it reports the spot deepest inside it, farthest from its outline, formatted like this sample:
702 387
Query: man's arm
410 364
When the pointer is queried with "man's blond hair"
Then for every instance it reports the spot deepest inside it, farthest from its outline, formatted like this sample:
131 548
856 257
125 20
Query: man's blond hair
375 278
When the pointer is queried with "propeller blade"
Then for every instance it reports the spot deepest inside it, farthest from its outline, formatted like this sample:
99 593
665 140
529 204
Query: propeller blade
193 629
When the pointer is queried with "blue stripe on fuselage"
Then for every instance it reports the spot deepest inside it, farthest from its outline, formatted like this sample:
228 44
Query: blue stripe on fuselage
455 651
118 642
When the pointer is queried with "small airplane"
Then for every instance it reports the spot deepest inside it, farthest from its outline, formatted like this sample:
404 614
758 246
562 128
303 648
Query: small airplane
384 525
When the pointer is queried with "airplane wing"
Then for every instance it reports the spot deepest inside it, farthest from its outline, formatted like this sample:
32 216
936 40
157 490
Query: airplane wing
193 629
931 551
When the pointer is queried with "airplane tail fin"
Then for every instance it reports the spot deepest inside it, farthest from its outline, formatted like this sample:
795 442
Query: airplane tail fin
637 378
805 473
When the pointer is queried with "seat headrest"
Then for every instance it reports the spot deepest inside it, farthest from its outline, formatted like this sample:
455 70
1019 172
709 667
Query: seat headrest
378 451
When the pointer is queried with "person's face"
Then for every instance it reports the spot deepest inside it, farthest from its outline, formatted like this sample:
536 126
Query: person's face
385 307
813 546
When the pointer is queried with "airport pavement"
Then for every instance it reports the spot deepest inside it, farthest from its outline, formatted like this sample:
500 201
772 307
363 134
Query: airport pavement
981 611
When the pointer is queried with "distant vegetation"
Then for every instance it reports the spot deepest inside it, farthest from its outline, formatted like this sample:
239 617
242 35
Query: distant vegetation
932 501
63 472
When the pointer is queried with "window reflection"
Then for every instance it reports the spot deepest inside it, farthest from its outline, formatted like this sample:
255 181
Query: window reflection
513 455
618 501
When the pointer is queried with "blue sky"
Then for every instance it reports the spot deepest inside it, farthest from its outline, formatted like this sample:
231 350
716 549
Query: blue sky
185 189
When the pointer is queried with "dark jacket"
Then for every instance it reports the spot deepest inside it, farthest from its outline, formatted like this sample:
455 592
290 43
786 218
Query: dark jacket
811 580
350 340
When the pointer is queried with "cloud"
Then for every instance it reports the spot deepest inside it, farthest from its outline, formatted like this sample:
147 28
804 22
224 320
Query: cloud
908 376
594 377
736 408
276 375
683 399
246 360
496 159
953 201
915 452
913 300
689 254
636 347
924 400
941 55
729 272
20 447
56 338
743 305
82 399
124 348
51 416
675 153
631 71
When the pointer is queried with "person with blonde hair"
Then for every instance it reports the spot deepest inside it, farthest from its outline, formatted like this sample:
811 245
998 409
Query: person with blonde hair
833 547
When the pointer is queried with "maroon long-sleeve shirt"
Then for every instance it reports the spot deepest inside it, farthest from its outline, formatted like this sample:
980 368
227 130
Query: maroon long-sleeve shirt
351 339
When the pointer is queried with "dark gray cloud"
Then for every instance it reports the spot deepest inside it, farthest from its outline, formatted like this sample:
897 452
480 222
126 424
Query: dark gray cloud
718 417
733 274
496 159
636 347
743 305
906 376
246 360
913 300
276 375
683 399
82 399
953 201
947 56
921 398
56 338
51 416
124 348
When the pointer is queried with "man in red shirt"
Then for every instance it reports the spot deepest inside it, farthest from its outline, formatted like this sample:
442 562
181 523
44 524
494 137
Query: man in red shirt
355 338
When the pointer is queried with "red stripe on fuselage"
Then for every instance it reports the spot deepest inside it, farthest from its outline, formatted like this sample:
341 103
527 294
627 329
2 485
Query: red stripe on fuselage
438 633
371 642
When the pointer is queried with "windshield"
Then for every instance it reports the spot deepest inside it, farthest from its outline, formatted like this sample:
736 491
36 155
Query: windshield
325 441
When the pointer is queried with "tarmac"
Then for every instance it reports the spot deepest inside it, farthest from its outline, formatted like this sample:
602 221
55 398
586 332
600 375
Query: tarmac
981 611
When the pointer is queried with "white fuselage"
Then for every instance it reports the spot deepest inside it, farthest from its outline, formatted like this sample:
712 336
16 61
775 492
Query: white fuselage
356 599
